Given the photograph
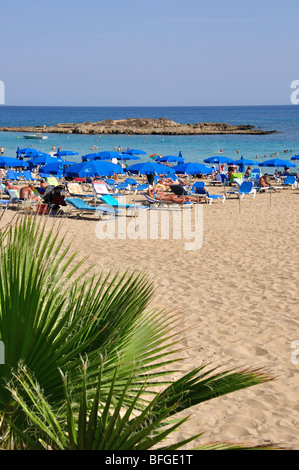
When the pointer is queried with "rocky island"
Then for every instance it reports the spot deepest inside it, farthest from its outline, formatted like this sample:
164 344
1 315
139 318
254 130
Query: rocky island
133 126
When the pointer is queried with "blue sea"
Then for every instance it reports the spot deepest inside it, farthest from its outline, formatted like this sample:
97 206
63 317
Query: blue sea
284 119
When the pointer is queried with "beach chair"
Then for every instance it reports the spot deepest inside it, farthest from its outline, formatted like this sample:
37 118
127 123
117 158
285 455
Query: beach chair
210 197
110 182
256 173
220 179
100 188
199 185
245 188
28 176
179 190
140 188
14 196
131 181
76 190
290 182
11 175
122 187
19 175
109 200
52 181
4 203
81 207
14 199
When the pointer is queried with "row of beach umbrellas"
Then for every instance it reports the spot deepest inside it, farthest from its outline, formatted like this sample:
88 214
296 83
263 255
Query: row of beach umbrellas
95 164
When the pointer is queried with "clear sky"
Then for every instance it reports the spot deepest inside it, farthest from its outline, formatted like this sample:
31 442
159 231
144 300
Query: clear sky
148 53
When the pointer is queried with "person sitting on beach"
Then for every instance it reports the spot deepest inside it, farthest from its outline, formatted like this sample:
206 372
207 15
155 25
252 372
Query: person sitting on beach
26 193
248 172
265 184
43 186
230 172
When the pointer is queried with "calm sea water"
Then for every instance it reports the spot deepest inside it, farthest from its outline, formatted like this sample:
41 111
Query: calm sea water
284 119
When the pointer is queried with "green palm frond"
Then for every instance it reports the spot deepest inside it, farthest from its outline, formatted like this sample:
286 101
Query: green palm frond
53 313
93 424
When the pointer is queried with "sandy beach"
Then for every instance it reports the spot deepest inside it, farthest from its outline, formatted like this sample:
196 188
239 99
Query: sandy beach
237 297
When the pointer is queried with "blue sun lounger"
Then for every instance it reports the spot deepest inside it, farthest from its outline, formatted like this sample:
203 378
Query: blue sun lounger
209 197
4 203
82 207
245 188
111 201
290 181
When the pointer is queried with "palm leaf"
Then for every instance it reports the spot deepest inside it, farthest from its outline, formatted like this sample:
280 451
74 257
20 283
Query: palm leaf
92 424
52 315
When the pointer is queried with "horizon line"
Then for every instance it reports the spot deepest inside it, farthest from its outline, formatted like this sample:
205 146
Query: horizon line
141 106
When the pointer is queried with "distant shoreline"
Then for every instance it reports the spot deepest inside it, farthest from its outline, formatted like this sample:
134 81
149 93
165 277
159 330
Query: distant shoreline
139 126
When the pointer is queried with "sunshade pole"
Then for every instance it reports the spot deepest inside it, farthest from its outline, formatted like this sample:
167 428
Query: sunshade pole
239 202
270 196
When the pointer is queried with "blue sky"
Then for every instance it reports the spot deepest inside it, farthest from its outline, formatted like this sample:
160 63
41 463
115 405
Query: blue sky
148 53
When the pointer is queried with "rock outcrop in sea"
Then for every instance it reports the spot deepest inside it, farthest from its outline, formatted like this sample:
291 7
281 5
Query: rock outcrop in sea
133 126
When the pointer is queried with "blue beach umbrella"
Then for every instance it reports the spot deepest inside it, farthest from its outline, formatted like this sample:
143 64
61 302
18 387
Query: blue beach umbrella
56 168
127 157
219 159
20 152
134 152
12 162
170 159
26 150
32 153
244 161
92 156
105 155
92 169
149 168
43 160
192 169
296 157
65 153
277 162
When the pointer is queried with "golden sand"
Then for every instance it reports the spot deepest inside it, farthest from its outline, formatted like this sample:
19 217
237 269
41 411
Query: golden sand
240 292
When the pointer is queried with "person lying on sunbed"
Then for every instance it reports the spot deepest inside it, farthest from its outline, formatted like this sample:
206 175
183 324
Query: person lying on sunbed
161 196
8 185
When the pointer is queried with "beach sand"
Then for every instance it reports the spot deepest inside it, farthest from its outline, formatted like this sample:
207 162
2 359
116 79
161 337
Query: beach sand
237 297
